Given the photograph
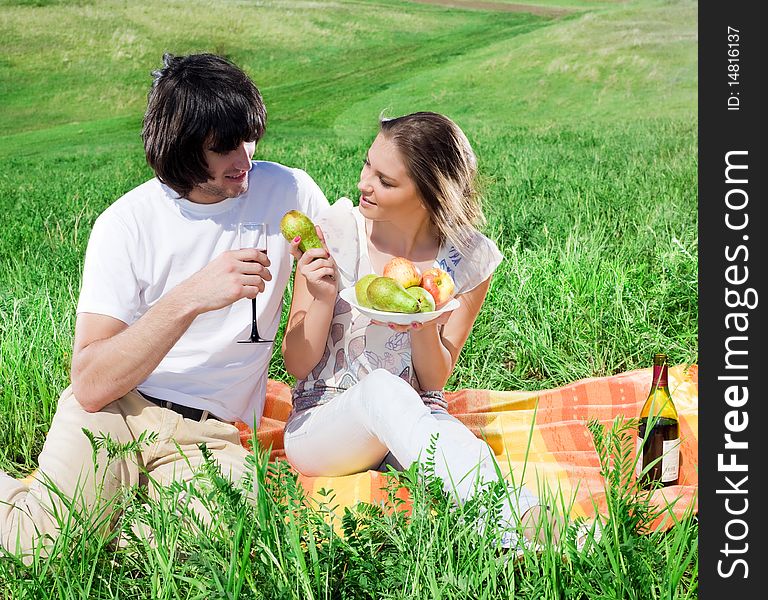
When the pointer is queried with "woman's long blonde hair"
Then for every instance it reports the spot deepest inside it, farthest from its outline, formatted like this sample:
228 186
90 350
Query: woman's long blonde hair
442 164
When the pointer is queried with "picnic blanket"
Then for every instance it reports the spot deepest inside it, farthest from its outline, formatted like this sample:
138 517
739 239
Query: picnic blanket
561 453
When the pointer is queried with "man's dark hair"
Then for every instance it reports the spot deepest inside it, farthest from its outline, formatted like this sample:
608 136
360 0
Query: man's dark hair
196 102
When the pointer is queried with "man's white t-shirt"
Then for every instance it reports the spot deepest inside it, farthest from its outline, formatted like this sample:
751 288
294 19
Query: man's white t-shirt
150 240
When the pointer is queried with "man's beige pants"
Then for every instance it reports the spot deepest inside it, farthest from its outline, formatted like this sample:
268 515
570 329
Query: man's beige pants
30 510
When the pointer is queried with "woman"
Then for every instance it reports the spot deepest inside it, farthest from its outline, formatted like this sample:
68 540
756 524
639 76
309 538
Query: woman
366 390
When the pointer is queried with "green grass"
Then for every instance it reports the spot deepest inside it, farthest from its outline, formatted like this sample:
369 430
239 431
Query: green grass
585 127
290 546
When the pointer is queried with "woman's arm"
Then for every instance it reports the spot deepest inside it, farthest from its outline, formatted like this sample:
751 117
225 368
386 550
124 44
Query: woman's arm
436 349
309 320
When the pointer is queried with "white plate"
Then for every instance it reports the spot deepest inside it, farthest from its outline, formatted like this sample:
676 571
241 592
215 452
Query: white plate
382 316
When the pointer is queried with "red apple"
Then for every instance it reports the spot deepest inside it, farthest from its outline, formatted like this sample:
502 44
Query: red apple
438 283
403 271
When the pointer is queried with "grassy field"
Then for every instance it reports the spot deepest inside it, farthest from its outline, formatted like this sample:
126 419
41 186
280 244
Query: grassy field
585 126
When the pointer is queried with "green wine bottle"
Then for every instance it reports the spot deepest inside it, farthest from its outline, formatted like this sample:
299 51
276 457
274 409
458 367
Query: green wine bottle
658 441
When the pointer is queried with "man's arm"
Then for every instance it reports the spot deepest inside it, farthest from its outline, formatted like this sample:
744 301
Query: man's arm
110 358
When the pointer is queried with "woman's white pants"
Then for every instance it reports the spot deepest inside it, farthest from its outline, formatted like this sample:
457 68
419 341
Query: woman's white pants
380 415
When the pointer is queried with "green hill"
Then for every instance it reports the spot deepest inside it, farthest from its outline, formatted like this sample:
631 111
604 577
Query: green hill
585 127
79 71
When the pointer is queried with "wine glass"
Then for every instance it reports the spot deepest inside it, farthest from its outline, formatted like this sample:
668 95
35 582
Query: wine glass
253 235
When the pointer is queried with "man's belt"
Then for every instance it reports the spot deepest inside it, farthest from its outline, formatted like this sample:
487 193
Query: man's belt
185 411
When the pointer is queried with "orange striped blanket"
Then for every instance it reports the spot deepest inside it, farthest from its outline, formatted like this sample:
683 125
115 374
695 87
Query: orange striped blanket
561 454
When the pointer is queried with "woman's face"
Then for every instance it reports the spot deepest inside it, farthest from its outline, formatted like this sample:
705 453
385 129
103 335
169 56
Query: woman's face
387 192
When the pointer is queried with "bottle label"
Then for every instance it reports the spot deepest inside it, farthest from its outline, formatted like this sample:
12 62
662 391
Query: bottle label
670 460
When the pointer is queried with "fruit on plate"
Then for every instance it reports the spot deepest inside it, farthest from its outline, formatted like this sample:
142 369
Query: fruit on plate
386 294
296 223
423 297
438 283
361 290
403 271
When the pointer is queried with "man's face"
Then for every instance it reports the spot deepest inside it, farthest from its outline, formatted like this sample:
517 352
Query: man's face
228 174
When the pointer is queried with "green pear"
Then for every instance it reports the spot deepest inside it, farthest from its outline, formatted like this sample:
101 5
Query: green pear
423 297
386 294
361 290
296 223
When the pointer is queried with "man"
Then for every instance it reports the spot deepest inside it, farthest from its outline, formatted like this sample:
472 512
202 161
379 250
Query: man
165 298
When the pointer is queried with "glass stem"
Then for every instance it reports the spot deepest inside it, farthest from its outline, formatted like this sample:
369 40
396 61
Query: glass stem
254 326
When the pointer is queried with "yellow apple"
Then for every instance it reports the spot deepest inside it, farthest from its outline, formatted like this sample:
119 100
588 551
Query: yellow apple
403 271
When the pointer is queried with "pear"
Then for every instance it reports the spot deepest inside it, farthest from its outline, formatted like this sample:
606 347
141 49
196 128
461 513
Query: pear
361 289
386 294
423 297
295 223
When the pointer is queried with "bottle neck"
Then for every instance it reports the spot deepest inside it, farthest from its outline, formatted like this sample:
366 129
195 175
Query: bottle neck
659 376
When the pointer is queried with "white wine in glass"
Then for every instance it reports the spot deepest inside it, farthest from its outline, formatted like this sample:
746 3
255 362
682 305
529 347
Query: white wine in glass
253 235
